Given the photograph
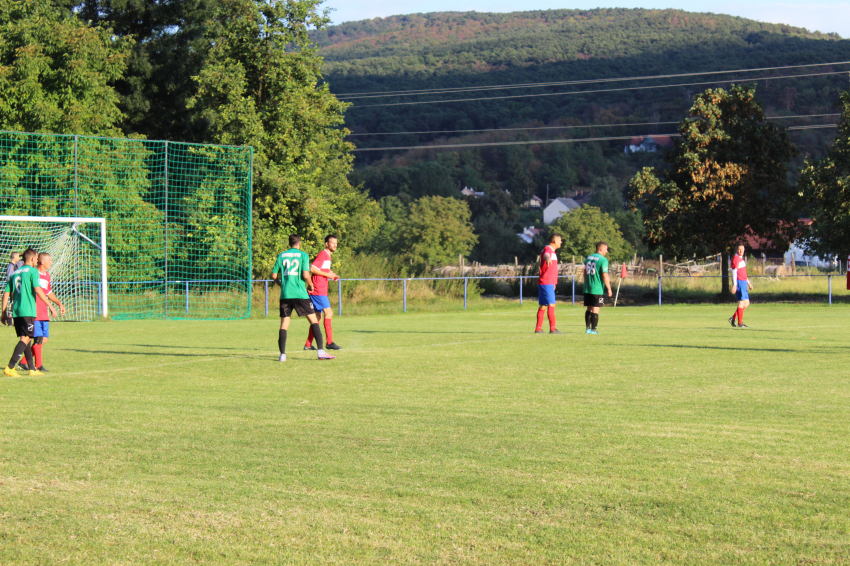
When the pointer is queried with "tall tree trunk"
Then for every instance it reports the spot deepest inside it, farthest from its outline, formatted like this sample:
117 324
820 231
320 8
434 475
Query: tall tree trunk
724 272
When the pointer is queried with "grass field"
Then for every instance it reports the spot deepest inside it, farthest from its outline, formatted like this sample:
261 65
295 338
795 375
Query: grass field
451 438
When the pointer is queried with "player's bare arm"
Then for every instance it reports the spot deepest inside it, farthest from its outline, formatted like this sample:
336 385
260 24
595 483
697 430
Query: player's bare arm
308 280
607 281
5 304
55 300
328 274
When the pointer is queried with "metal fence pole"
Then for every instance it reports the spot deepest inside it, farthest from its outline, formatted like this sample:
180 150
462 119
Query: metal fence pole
404 295
520 290
829 277
339 295
464 293
187 297
266 285
574 289
659 290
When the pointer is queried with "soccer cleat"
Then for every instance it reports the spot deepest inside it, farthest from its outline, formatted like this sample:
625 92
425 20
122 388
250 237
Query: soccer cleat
310 347
743 326
593 331
11 372
732 321
282 358
325 356
42 369
333 346
35 372
22 367
538 332
588 331
555 331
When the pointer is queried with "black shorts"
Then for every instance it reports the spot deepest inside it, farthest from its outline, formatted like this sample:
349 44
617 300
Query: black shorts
303 307
25 326
593 300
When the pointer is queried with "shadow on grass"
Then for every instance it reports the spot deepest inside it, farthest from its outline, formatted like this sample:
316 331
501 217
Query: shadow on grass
728 348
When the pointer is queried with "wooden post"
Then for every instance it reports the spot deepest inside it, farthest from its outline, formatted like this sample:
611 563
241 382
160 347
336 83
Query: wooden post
660 264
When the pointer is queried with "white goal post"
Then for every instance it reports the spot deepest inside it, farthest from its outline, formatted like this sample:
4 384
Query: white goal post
75 276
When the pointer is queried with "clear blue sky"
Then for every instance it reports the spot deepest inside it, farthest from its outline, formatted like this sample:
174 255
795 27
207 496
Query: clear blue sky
821 15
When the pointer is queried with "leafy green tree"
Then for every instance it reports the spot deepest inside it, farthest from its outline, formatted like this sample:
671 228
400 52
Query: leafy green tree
581 229
56 72
260 86
726 180
607 195
497 204
825 186
497 242
435 231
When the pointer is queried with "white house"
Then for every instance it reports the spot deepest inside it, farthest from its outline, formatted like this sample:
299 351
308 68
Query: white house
648 143
557 208
533 202
467 192
528 234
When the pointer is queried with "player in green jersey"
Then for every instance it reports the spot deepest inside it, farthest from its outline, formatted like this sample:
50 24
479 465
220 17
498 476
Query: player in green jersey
595 275
23 287
292 271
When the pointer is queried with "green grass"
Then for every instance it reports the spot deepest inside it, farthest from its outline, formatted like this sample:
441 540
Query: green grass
456 438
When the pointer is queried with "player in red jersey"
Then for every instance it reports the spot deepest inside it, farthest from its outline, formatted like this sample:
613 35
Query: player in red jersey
42 316
546 284
740 286
321 270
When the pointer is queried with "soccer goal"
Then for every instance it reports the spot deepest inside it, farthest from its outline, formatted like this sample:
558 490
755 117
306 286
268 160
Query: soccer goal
78 249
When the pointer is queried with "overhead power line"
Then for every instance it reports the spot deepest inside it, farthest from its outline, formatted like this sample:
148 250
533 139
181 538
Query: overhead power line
583 92
360 95
584 126
544 142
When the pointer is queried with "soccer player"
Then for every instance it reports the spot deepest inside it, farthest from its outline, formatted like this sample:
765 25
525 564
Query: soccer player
740 286
13 265
42 316
321 270
23 287
546 284
292 265
595 275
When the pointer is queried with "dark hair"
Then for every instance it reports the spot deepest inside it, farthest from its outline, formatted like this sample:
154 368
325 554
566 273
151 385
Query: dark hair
28 253
553 236
329 236
600 244
41 255
294 239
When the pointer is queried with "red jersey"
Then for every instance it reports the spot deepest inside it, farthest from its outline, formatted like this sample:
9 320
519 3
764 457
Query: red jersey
320 284
548 273
739 265
41 311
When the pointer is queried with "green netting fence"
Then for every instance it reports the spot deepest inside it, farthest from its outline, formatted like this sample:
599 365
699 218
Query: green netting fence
178 216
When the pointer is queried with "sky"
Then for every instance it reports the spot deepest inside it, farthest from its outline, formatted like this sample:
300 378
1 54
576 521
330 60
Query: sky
820 15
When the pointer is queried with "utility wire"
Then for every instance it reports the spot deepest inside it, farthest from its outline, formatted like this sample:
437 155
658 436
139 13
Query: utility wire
564 127
359 95
542 142
583 92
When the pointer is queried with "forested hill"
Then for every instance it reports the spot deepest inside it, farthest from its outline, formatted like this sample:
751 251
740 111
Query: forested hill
457 50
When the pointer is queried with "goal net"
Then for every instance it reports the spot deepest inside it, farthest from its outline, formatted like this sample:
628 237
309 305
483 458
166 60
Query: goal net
77 248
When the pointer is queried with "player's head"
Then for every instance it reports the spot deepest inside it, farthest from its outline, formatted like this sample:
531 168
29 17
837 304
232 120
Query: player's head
601 248
45 260
555 241
15 257
294 240
331 242
30 256
740 250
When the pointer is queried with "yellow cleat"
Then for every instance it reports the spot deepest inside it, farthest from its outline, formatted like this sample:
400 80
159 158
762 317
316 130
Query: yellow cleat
11 372
36 372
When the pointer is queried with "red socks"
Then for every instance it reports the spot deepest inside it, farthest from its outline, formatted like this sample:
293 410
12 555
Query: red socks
551 317
328 331
540 314
36 353
740 313
329 334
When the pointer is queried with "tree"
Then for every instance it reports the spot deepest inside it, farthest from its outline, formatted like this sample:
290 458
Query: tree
436 231
581 229
497 242
607 195
260 86
56 72
726 180
825 185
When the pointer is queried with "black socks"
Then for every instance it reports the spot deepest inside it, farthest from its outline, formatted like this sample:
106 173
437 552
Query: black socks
587 318
594 320
317 334
20 350
281 341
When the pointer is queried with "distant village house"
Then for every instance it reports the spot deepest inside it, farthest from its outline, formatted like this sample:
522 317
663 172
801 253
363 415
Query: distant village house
557 208
648 143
